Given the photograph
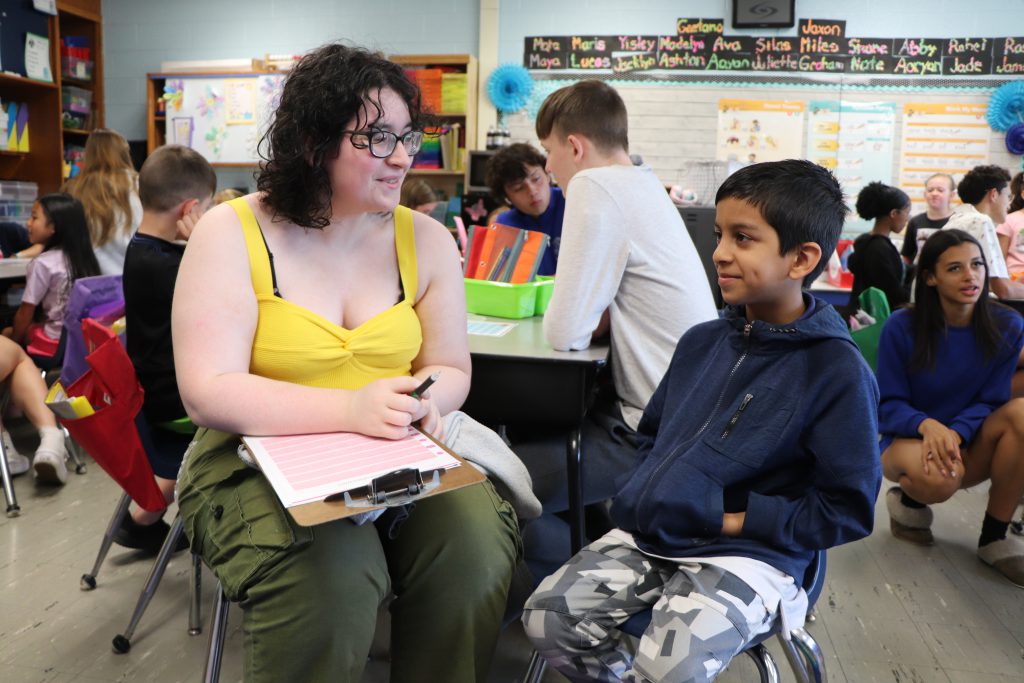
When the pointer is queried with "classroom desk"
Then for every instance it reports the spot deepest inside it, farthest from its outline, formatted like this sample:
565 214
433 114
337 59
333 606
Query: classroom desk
837 296
13 268
519 378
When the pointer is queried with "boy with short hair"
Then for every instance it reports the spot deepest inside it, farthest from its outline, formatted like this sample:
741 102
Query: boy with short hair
627 266
759 447
176 186
985 191
517 178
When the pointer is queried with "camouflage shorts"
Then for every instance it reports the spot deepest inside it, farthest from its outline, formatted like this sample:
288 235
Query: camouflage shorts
702 616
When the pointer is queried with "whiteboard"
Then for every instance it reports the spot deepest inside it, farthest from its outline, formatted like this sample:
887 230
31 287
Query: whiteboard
222 117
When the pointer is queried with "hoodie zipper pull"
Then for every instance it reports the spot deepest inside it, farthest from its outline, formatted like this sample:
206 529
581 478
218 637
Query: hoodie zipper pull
736 416
747 329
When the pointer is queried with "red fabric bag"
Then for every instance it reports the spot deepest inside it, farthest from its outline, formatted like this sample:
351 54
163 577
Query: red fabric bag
110 435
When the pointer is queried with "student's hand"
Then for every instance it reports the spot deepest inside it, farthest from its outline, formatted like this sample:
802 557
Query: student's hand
187 223
732 523
940 446
384 407
430 417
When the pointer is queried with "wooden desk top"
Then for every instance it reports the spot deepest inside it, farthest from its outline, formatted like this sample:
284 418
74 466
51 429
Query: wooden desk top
526 341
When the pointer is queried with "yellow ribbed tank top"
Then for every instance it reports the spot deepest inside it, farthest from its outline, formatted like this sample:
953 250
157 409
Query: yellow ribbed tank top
294 344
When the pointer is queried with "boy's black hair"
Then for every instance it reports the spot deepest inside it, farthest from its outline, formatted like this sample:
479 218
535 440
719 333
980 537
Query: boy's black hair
980 180
593 109
325 90
878 199
70 234
928 319
173 174
509 166
800 200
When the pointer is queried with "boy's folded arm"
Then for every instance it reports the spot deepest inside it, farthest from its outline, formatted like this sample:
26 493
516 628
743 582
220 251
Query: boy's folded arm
839 505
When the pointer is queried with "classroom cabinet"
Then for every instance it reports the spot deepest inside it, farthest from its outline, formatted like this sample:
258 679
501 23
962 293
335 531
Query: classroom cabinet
63 112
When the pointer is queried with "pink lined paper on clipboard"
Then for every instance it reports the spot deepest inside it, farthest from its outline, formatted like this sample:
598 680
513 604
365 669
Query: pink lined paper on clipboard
309 467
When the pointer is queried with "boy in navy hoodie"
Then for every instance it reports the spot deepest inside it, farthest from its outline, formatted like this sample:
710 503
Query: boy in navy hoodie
759 447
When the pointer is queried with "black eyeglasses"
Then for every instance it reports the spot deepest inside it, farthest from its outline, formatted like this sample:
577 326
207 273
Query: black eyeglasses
382 143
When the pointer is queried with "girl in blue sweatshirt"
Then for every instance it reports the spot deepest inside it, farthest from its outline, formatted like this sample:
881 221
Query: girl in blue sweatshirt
945 414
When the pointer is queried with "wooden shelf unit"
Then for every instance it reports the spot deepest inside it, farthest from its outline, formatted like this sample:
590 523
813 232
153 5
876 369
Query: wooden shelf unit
443 179
43 163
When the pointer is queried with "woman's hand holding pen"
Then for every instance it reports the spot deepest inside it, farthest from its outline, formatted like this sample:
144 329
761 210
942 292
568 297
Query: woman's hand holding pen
940 445
385 408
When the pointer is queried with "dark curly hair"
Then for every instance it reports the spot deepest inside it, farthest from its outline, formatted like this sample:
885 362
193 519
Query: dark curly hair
980 180
509 166
324 91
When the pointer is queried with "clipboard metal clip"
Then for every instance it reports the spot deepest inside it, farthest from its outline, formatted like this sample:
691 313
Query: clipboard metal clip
394 488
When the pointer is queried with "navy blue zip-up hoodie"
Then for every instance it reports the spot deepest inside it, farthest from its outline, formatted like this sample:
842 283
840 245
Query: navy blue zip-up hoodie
778 421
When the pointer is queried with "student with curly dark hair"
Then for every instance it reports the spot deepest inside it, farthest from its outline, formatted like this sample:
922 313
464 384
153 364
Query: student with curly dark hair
327 304
875 262
517 178
985 191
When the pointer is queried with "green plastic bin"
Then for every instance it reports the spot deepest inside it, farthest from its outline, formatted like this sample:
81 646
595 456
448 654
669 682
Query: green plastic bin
501 299
545 285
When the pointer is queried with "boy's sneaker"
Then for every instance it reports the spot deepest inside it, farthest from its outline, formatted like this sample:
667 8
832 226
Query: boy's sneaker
1006 556
907 523
49 467
16 462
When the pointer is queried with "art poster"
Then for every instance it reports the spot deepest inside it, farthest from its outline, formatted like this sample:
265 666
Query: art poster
940 137
750 131
181 130
856 141
240 101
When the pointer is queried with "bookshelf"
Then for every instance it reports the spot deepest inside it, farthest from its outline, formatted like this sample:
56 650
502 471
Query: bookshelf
447 180
43 163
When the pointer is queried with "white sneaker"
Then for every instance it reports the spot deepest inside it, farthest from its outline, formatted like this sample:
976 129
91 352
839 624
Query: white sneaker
49 467
17 462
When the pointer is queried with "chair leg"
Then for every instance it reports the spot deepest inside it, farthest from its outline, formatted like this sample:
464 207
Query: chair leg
122 641
218 630
13 510
535 670
88 581
74 451
804 656
195 618
767 669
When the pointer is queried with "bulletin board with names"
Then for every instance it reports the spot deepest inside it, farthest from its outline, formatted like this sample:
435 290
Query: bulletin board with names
820 46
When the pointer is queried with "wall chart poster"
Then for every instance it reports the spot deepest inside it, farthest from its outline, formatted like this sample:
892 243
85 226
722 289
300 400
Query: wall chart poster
940 137
855 140
751 131
240 101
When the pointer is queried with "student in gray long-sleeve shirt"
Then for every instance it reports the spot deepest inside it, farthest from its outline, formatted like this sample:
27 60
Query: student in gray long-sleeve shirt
626 267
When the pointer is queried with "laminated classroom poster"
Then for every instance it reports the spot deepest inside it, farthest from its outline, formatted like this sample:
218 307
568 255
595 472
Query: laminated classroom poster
856 141
240 101
940 137
750 131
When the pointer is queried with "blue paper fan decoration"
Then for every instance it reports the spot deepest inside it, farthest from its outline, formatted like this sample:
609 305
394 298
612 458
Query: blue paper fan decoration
1006 107
1015 139
509 87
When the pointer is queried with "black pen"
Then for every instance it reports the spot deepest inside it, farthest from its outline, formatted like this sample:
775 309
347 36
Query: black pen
419 391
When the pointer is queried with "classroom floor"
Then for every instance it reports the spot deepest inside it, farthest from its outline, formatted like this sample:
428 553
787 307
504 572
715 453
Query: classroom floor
889 612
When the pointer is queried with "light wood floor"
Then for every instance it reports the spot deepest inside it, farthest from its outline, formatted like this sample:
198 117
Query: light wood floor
889 612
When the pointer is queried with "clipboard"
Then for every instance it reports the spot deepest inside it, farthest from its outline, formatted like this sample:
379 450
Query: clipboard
394 485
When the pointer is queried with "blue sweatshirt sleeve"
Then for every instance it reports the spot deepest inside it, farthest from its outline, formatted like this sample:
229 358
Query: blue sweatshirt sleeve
995 390
896 415
842 437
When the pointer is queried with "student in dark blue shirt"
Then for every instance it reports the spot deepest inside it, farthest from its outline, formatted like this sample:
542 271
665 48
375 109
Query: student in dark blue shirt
517 177
945 414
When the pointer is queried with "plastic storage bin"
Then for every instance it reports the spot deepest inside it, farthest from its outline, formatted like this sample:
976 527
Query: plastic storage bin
77 106
545 285
501 299
76 67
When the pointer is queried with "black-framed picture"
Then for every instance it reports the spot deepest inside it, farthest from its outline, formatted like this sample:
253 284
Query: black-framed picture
763 13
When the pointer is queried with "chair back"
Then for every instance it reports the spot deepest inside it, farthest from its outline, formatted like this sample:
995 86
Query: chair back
103 294
874 302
